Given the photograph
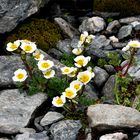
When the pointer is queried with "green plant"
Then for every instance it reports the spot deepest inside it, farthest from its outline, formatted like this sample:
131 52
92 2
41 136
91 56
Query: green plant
41 31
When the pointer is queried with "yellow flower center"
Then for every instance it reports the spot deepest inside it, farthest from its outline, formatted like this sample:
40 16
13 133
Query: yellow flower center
13 46
45 65
48 73
69 93
27 48
20 76
77 86
135 45
37 56
59 101
80 62
84 78
66 70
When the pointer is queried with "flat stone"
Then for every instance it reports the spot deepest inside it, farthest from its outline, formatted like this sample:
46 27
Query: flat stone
108 117
8 64
64 46
114 136
110 69
51 117
108 89
67 29
92 25
129 20
125 31
32 136
12 12
101 76
114 39
112 25
65 130
16 109
55 53
119 45
100 42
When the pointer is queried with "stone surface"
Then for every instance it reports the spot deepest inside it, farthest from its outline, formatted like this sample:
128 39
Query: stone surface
119 45
101 76
64 46
51 117
114 39
110 69
65 130
94 24
32 136
16 109
55 53
8 64
114 136
12 12
108 117
137 137
112 25
129 20
100 42
67 29
108 90
4 139
125 31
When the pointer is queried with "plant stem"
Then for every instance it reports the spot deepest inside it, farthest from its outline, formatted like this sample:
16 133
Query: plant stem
23 58
82 90
66 108
130 62
116 90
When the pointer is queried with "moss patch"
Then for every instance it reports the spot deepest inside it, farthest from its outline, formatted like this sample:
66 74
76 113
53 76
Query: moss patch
41 31
125 7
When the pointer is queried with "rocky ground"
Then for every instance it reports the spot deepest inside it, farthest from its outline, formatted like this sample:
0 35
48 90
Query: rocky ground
25 117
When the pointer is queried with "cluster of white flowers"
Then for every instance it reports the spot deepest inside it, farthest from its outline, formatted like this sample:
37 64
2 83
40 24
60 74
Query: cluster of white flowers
132 44
83 77
29 47
85 38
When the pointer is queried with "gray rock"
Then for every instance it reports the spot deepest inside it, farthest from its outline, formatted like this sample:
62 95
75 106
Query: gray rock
32 136
67 29
12 12
51 117
137 27
108 90
4 139
8 64
101 76
88 133
114 39
114 136
16 109
125 31
55 53
137 137
65 130
100 42
128 20
37 124
106 14
110 69
119 45
27 130
108 117
112 25
94 24
64 46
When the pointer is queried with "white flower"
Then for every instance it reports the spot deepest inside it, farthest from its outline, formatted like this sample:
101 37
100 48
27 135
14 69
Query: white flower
83 37
89 39
67 70
70 93
37 55
49 74
76 84
28 47
44 65
77 51
81 61
126 48
13 46
85 76
134 44
59 101
19 75
73 73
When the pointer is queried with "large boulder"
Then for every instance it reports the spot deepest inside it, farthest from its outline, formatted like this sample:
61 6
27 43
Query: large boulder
12 12
108 117
16 109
